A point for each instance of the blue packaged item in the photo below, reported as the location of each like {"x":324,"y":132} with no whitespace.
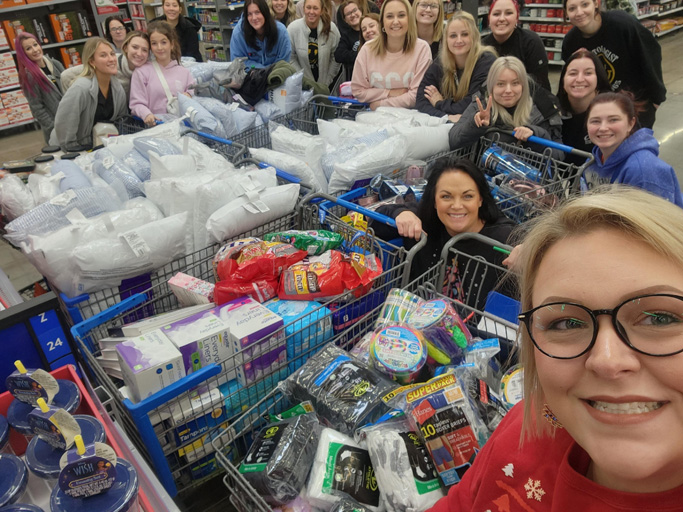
{"x":74,"y":177}
{"x":43,"y":460}
{"x":13,"y":479}
{"x":4,"y":432}
{"x":22,"y":507}
{"x":239,"y":398}
{"x":345,"y":315}
{"x":307,"y":325}
{"x":121,"y":497}
{"x":68,"y":398}
{"x":501,"y":162}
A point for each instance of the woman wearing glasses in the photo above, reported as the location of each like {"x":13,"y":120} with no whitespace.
{"x":602,"y":347}
{"x":115,"y":32}
{"x":347,"y":49}
{"x":429,"y":18}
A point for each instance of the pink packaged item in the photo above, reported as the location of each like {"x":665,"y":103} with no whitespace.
{"x":191,"y":291}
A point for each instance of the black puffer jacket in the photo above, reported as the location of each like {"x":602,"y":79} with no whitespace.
{"x":187,"y":30}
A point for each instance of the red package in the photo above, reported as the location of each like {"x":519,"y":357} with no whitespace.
{"x":260,"y":290}
{"x":228,"y":249}
{"x":360,"y":270}
{"x":256,"y":261}
{"x":317,"y":277}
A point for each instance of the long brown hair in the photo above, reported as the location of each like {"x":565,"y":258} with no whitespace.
{"x":372,"y":16}
{"x":379,"y":45}
{"x":165,"y":30}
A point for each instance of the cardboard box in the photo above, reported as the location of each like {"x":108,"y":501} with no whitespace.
{"x":70,"y":26}
{"x":4,"y":120}
{"x":4,"y":42}
{"x":6,"y":4}
{"x":7,"y":61}
{"x":13,"y":98}
{"x":155,"y":322}
{"x":149,"y":363}
{"x":9,"y":77}
{"x":19,"y":114}
{"x":71,"y":56}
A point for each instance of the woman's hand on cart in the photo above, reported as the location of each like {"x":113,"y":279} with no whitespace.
{"x":409,"y":225}
{"x":483,"y":117}
{"x":150,"y":120}
{"x":523,"y":133}
{"x":433,"y":95}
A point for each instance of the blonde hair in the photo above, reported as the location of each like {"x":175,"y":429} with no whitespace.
{"x":379,"y":44}
{"x":643,"y":217}
{"x":449,"y":88}
{"x":438,"y":23}
{"x":523,"y":109}
{"x":290,"y":13}
{"x":89,"y":50}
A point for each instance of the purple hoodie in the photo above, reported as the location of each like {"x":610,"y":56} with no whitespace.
{"x":147,"y":95}
{"x":636,"y":163}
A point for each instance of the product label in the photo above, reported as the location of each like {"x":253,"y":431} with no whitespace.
{"x":136,"y":243}
{"x":349,"y":470}
{"x":512,"y":386}
{"x":297,"y":410}
{"x":398,"y":349}
{"x":424,"y":473}
{"x":56,"y":427}
{"x":433,"y":386}
{"x":30,"y":386}
{"x":85,"y":475}
{"x":263,"y":449}
{"x":428,"y":313}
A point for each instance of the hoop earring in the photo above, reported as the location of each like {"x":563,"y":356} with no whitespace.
{"x":384,"y":30}
{"x":550,"y":417}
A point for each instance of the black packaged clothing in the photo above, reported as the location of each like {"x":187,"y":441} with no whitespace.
{"x":574,"y":134}
{"x":105,"y":107}
{"x":187,"y":30}
{"x":434,"y":75}
{"x":631,"y":55}
{"x":528,"y":47}
{"x":347,"y":49}
{"x":313,"y":52}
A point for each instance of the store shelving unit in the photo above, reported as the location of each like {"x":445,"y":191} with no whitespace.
{"x":547,"y":20}
{"x":664,"y":9}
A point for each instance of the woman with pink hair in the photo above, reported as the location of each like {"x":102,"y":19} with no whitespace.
{"x":40,"y":79}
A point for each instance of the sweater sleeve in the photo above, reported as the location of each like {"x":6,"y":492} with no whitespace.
{"x":465,"y":131}
{"x":294,"y":58}
{"x":283,"y":46}
{"x":239,"y":48}
{"x":332,"y":66}
{"x":432,"y":76}
{"x":139,"y":99}
{"x":360,"y":81}
{"x":192,"y":42}
{"x":422,"y":61}
{"x":68,"y":117}
{"x":69,"y":76}
{"x":37,"y":105}
{"x":536,"y":59}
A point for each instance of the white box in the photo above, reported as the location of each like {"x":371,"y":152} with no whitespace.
{"x":155,"y":322}
{"x":149,"y":363}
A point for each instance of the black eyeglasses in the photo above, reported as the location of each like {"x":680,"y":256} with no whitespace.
{"x":649,"y":324}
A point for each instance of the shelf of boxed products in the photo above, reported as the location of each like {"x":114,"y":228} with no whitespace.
{"x":23,"y":6}
{"x":669,"y":30}
{"x":65,"y":43}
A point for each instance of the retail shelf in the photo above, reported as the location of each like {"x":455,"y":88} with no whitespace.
{"x":540,"y":18}
{"x":210,"y":25}
{"x":65,"y":43}
{"x":9,"y":88}
{"x":550,"y":49}
{"x":23,"y":123}
{"x":648,"y":15}
{"x":138,"y":18}
{"x":25,"y":7}
{"x":232,"y":7}
{"x":550,"y":34}
{"x":671,"y":11}
{"x":483,"y":10}
{"x":665,"y":32}
{"x":556,"y":62}
{"x":545,"y":6}
{"x":4,"y":48}
{"x":135,"y":3}
{"x":155,"y":4}
{"x":202,"y":6}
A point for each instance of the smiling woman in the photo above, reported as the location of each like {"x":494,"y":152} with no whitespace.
{"x":601,"y":358}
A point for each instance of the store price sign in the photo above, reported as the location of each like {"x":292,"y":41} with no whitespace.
{"x":49,"y":333}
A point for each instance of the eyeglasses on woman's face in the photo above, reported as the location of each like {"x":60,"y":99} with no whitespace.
{"x":427,"y":6}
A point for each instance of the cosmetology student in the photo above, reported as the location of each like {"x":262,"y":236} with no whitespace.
{"x":349,"y":42}
{"x":389,"y":69}
{"x":96,"y":96}
{"x":582,"y":78}
{"x":601,"y":426}
{"x":147,"y":90}
{"x":429,"y":19}
{"x":314,"y":39}
{"x":459,"y":71}
{"x":40,"y":80}
{"x":509,"y":39}
{"x":283,"y":11}
{"x":625,"y":154}
{"x":135,"y":53}
{"x":456,"y":200}
{"x":509,"y":106}
{"x":187,"y":29}
{"x":115,"y":32}
{"x":630,"y":53}
{"x":259,"y":38}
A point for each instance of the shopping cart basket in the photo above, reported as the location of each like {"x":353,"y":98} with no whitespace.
{"x":234,"y":441}
{"x":154,"y":423}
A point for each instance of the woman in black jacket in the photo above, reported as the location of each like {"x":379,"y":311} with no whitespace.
{"x":186,"y":28}
{"x":459,"y":71}
{"x":348,"y":46}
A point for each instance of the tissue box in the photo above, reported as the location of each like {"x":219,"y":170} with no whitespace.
{"x":191,"y":418}
{"x":149,"y":363}
{"x":190,"y":290}
{"x":257,"y":338}
{"x":307,"y":325}
{"x":203,"y":338}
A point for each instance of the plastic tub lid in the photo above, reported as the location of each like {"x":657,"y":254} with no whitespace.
{"x":4,"y":431}
{"x":13,"y":478}
{"x":22,"y":507}
{"x":68,"y":398}
{"x":70,"y":156}
{"x":43,"y":460}
{"x":121,"y":497}
{"x":43,"y":158}
{"x":51,"y":149}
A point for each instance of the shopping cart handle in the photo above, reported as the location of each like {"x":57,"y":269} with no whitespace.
{"x":352,"y":206}
{"x":81,"y":329}
{"x":549,"y":143}
{"x":337,"y":99}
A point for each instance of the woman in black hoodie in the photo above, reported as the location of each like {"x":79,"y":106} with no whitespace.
{"x":186,"y":28}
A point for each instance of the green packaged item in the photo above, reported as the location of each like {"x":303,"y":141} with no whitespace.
{"x":315,"y":242}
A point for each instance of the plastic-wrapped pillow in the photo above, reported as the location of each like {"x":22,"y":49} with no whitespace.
{"x":287,"y":97}
{"x":267,"y":110}
{"x":307,"y":147}
{"x":159,"y":145}
{"x":423,"y":141}
{"x":350,"y":148}
{"x":245,"y":120}
{"x":140,"y":165}
{"x":386,"y":116}
{"x":224,"y":113}
{"x":104,"y":263}
{"x":43,"y":188}
{"x":120,"y":177}
{"x":200,"y":118}
{"x":206,"y":158}
{"x":201,"y":71}
{"x":145,"y":207}
{"x":15,"y":197}
{"x":252,"y":210}
{"x":291,"y":165}
{"x":73,"y":175}
{"x":171,"y":166}
{"x":385,"y":158}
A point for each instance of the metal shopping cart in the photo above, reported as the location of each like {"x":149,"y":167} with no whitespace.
{"x":234,"y":441}
{"x":156,"y":424}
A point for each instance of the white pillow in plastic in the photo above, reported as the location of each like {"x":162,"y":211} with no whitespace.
{"x":287,"y":97}
{"x":205,"y":157}
{"x":43,"y":187}
{"x":391,"y":114}
{"x":171,"y":166}
{"x":73,"y":175}
{"x":292,"y":165}
{"x":424,"y":141}
{"x":386,"y":158}
{"x":159,"y":145}
{"x":15,"y":197}
{"x":120,"y":177}
{"x":140,"y":165}
{"x":104,"y":263}
{"x":145,"y":207}
{"x":307,"y":147}
{"x":201,"y":71}
{"x":250,"y":211}
{"x":210,"y":197}
{"x":222,"y":112}
{"x":243,"y":119}
{"x":306,"y":97}
{"x":267,"y":110}
{"x":349,"y":148}
{"x":118,"y":146}
{"x":200,"y":118}
{"x":352,"y":129}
